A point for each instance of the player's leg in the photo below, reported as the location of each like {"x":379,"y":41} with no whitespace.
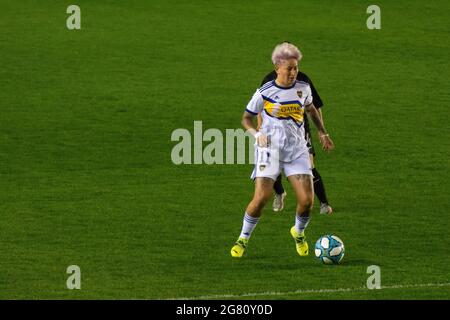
{"x":280,"y":194}
{"x":263,"y":192}
{"x":300,"y":176}
{"x":319,"y":189}
{"x":303,"y":188}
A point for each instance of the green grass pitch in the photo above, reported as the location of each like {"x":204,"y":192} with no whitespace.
{"x":86,"y":176}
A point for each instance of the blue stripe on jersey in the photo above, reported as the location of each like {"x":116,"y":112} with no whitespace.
{"x":283,"y":102}
{"x":262,"y":90}
{"x":268,"y":99}
{"x":254,"y":113}
{"x":291,"y":102}
{"x":288,"y":118}
{"x":266,"y":86}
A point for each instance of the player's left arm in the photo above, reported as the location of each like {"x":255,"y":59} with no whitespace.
{"x":324,"y":137}
{"x":319,"y":110}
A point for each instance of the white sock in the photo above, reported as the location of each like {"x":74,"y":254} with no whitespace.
{"x":248,"y":225}
{"x":301,"y":222}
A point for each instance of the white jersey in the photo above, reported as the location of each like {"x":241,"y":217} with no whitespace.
{"x":282,"y":111}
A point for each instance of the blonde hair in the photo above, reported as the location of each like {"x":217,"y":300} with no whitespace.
{"x":285,"y":51}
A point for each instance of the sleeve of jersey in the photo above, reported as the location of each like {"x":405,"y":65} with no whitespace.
{"x":309,"y":97}
{"x":256,"y":104}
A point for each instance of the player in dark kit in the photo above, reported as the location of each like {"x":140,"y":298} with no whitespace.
{"x":319,"y":188}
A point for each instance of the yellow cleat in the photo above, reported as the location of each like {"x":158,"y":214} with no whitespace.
{"x":239,"y":248}
{"x":300,"y":242}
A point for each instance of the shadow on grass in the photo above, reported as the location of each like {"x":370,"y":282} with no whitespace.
{"x":290,"y":263}
{"x":358,"y":262}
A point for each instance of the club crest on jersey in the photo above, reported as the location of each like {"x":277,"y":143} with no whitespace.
{"x":262,"y":167}
{"x":299,"y":93}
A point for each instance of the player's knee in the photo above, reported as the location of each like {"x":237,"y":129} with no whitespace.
{"x":261,"y":199}
{"x":305,"y":206}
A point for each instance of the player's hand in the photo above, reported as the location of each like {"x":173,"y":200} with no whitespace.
{"x":326,"y":142}
{"x":261,"y":139}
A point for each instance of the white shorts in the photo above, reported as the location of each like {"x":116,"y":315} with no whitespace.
{"x":268,"y":166}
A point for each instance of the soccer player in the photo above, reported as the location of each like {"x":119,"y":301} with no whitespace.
{"x":319,"y":188}
{"x":281,"y":145}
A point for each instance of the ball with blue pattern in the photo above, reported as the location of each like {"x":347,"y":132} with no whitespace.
{"x":329,"y":249}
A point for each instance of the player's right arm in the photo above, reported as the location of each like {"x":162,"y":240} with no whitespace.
{"x":247,"y":123}
{"x":259,"y":117}
{"x":254,"y":107}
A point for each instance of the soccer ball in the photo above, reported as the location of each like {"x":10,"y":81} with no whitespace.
{"x":329,"y":249}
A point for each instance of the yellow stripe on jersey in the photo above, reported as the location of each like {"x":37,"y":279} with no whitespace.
{"x":284,"y":111}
